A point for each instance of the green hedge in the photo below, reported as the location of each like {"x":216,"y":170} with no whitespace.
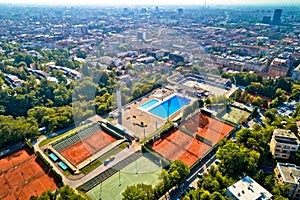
{"x":109,"y":125}
{"x":111,"y":132}
{"x":28,"y":143}
{"x":202,"y":139}
{"x":58,"y":176}
{"x":39,"y":155}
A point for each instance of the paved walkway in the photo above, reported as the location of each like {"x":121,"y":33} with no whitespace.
{"x":76,"y":183}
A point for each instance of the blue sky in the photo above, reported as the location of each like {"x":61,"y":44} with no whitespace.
{"x":152,"y":2}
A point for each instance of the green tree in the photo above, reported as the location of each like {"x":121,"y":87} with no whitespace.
{"x":236,"y":159}
{"x":207,"y":101}
{"x":292,"y":127}
{"x":216,"y":196}
{"x":182,"y":169}
{"x":138,"y":192}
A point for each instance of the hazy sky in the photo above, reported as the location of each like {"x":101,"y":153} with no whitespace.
{"x":152,"y":2}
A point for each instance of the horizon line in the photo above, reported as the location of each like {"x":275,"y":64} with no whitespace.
{"x":145,"y":4}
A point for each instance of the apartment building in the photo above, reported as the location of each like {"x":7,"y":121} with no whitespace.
{"x":247,"y":189}
{"x":279,"y":67}
{"x":286,"y":173}
{"x":283,"y":142}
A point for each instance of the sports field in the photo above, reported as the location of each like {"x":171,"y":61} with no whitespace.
{"x":143,"y":170}
{"x":82,"y":150}
{"x":24,"y":175}
{"x":209,"y":128}
{"x":183,"y":145}
{"x":235,"y":115}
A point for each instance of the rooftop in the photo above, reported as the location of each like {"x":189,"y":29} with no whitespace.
{"x":289,"y":172}
{"x":297,"y":68}
{"x":282,"y":134}
{"x":247,"y":188}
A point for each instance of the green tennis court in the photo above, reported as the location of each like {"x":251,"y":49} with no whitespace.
{"x":235,"y":115}
{"x":143,"y":170}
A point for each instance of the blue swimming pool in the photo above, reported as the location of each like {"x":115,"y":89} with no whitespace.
{"x":169,"y":106}
{"x":148,"y":104}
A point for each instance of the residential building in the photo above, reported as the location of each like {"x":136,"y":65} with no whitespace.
{"x":279,"y":67}
{"x":296,"y":73}
{"x":256,"y":64}
{"x":247,"y":189}
{"x":237,"y":66}
{"x":13,"y":81}
{"x":283,"y":142}
{"x":286,"y":173}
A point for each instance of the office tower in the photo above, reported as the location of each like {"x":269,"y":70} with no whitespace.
{"x":277,"y":16}
{"x":180,"y":11}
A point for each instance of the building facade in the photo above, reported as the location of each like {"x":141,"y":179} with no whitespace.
{"x":283,"y":142}
{"x":286,"y":173}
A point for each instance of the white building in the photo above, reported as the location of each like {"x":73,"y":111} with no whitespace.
{"x":283,"y":142}
{"x":296,"y":73}
{"x":289,"y":174}
{"x":247,"y":189}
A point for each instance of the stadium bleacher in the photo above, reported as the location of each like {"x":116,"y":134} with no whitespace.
{"x":69,"y":141}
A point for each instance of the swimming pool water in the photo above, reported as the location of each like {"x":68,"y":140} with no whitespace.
{"x":148,"y":104}
{"x":174,"y":103}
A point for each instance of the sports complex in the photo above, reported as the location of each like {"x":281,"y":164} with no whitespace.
{"x":83,"y":147}
{"x":155,"y":129}
{"x":188,"y":141}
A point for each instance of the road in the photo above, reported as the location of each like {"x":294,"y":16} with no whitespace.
{"x":199,"y":168}
{"x":76,"y":183}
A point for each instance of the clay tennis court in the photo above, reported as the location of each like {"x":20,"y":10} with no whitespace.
{"x":82,"y":150}
{"x":209,"y":128}
{"x":24,"y":175}
{"x":182,"y":146}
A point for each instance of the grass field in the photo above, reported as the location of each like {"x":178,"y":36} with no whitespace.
{"x":235,"y":115}
{"x":142,"y":170}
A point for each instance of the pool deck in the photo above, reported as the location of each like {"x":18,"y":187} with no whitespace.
{"x":132,"y":115}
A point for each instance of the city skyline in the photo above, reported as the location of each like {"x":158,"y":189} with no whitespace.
{"x":154,"y":2}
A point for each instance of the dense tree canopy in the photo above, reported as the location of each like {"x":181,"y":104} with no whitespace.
{"x":16,"y":129}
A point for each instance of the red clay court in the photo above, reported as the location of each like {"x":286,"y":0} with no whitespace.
{"x":24,"y":175}
{"x":82,"y":150}
{"x":182,"y":146}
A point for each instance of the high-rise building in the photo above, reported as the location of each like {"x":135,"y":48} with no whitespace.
{"x":277,"y":16}
{"x":266,"y":20}
{"x":180,"y":11}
